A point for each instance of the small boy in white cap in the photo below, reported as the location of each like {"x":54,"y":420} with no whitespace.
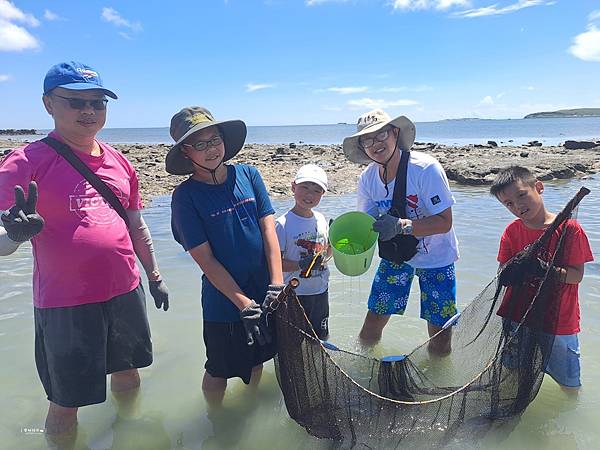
{"x":303,"y":238}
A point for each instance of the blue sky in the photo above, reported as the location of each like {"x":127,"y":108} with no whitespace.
{"x":276,"y":62}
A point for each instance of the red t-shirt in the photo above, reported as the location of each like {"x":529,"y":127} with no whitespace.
{"x":517,"y":236}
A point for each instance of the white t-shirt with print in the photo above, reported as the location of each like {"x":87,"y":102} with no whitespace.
{"x":300,"y":237}
{"x":427,"y":194}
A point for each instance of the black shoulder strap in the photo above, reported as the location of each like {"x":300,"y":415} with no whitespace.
{"x":65,"y":151}
{"x":399,"y":196}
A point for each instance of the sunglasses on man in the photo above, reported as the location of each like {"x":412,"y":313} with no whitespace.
{"x":98,"y":104}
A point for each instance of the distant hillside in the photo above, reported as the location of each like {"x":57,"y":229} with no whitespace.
{"x":580,"y":112}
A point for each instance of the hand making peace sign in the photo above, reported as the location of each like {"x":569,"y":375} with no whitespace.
{"x":22,"y":221}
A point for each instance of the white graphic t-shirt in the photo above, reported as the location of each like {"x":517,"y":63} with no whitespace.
{"x":300,"y":237}
{"x":427,"y":194}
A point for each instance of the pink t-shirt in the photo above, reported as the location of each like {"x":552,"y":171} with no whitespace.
{"x":84,"y":253}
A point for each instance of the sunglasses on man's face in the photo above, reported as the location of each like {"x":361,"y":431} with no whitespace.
{"x":98,"y":104}
{"x":379,"y":137}
{"x":201,"y":146}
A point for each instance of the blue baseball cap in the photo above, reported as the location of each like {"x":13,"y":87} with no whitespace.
{"x":74,"y":75}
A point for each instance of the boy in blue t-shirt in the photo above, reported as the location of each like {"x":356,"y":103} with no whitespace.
{"x":223,"y":217}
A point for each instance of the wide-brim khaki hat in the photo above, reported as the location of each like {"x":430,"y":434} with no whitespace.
{"x":192,"y":119}
{"x":374,"y":121}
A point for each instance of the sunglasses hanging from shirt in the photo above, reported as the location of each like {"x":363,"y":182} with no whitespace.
{"x":65,"y":151}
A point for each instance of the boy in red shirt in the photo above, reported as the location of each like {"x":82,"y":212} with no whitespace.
{"x":517,"y":189}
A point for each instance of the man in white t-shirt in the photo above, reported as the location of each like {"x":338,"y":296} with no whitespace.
{"x":380,"y":142}
{"x":302,"y":234}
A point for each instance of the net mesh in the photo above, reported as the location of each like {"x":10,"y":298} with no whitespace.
{"x":494,"y":371}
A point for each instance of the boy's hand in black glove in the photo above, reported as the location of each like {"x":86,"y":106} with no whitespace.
{"x":520,"y":269}
{"x":387,"y":226}
{"x":273,"y":292}
{"x":256,"y":328}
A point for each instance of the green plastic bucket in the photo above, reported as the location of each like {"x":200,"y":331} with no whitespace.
{"x":353,"y":241}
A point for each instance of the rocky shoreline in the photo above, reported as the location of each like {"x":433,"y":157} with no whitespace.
{"x":473,"y":165}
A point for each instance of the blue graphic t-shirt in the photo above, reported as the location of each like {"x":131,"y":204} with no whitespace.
{"x":227,"y":217}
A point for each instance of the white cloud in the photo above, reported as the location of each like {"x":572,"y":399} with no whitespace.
{"x":125,"y":35}
{"x":494,"y":9}
{"x":51,"y":16}
{"x":429,"y":4}
{"x":486,"y":101}
{"x":10,"y":13}
{"x":586,"y":45}
{"x":252,"y":87}
{"x":4,"y":77}
{"x":500,"y":95}
{"x":529,"y":88}
{"x":372,"y":103}
{"x":112,"y":16}
{"x":348,"y":90}
{"x":13,"y":37}
{"x":594,"y":15}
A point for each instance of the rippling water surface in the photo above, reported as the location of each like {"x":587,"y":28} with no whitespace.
{"x":170,"y":411}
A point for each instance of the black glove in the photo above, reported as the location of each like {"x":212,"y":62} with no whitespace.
{"x":256,"y":328}
{"x":22,"y":221}
{"x":273,"y":292}
{"x":387,"y":226}
{"x":305,"y":264}
{"x":520,"y":269}
{"x":160,"y":294}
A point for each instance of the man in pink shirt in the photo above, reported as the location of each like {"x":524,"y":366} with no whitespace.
{"x":89,"y":304}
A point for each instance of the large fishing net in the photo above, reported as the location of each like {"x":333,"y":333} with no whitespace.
{"x":494,"y":371}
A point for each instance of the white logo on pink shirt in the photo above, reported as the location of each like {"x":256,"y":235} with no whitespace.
{"x":89,"y":205}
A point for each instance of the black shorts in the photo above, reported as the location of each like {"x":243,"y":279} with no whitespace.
{"x":316,"y":308}
{"x":75,"y":347}
{"x":228,"y":354}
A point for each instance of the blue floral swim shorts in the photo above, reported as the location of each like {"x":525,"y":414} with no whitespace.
{"x":391,"y":288}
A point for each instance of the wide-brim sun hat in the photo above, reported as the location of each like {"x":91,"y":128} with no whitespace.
{"x":373,"y":121}
{"x":192,"y":119}
{"x":74,"y":76}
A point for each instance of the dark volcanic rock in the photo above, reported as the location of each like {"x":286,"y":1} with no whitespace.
{"x":580,"y":145}
{"x":534,"y":144}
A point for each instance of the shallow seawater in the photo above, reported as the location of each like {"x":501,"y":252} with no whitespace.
{"x":170,"y":411}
